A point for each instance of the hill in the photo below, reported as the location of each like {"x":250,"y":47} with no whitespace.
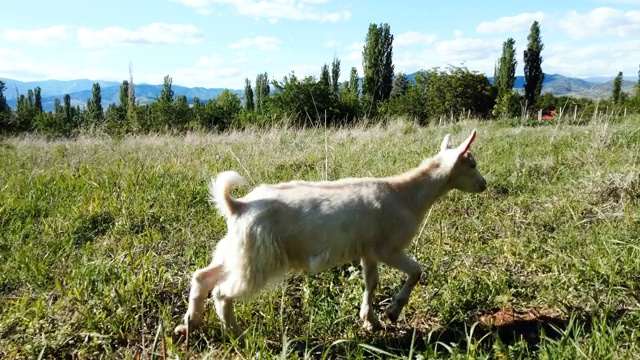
{"x":80,"y":90}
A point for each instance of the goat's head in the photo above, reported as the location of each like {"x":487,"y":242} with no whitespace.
{"x":464,"y":174}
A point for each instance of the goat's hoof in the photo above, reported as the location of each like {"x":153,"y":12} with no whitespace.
{"x":393,"y":313}
{"x":181,"y":330}
{"x":372,"y":326}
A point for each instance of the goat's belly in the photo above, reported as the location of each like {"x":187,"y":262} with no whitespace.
{"x":326,"y":260}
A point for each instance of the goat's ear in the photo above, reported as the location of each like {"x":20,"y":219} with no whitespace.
{"x":464,"y":147}
{"x":446,"y":143}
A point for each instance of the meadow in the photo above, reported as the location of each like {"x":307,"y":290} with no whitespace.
{"x":99,"y":238}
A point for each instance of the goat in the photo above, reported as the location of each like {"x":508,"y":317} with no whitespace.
{"x":313,"y":226}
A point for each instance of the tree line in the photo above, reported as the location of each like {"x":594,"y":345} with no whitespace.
{"x":381,"y":93}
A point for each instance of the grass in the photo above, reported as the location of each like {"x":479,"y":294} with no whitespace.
{"x":99,"y":237}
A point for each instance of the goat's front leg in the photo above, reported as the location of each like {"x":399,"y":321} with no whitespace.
{"x":370,"y":277}
{"x":202,"y":282}
{"x":400,"y":261}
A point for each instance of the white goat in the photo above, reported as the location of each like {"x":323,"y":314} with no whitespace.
{"x":313,"y":226}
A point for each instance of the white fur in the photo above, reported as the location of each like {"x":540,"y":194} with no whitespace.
{"x":313,"y":226}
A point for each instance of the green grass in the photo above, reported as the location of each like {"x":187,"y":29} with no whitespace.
{"x":99,"y":238}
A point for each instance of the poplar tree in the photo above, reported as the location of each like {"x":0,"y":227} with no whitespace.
{"x":377,"y":63}
{"x":505,"y":78}
{"x":248,"y":95}
{"x":617,"y":88}
{"x":335,"y":74}
{"x":533,"y":75}
{"x":354,"y":86}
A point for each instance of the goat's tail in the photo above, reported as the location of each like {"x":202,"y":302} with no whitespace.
{"x":219,"y":192}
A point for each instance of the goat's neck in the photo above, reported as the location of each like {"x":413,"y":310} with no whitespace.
{"x":420,"y":187}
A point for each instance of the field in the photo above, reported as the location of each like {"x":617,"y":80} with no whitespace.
{"x":99,"y":238}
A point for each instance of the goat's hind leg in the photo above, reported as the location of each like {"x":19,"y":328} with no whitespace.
{"x":370,"y":276}
{"x":225,"y":311}
{"x":202,"y":282}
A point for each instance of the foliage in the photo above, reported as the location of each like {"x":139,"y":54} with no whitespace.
{"x":377,"y":64}
{"x":451,"y":93}
{"x":249,"y":103}
{"x":305,"y":102}
{"x":617,"y":85}
{"x":400,"y":85}
{"x":504,"y":80}
{"x":533,"y":74}
{"x":262,"y":92}
{"x":5,"y":110}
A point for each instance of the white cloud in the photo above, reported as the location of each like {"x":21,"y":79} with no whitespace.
{"x":330,"y":44}
{"x":510,"y":24}
{"x":42,"y":37}
{"x":413,"y":38}
{"x":592,"y":60}
{"x":355,"y":51}
{"x":624,"y":2}
{"x":152,"y":34}
{"x":273,"y":10}
{"x":261,"y":42}
{"x":467,"y":48}
{"x":457,"y":33}
{"x":602,"y":21}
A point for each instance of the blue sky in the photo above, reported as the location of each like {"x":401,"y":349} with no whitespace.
{"x":218,"y":43}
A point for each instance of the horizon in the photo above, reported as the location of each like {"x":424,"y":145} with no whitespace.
{"x":219,"y":43}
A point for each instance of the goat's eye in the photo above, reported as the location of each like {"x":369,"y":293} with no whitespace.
{"x":473,"y":166}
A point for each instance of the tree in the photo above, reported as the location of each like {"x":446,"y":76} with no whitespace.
{"x":248,"y":95}
{"x":638,"y":86}
{"x":69,"y":113}
{"x":617,"y":88}
{"x":354,"y":86}
{"x":166,"y":94}
{"x":38,"y":99}
{"x":94,"y":105}
{"x":400,"y":85}
{"x":449,"y":94}
{"x":505,"y":78}
{"x":262,"y":91}
{"x":124,"y":96}
{"x":5,"y":110}
{"x":335,"y":74}
{"x":533,"y":75}
{"x":377,"y":63}
{"x":325,"y":77}
{"x":228,"y":107}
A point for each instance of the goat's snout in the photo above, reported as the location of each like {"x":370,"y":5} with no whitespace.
{"x":482,"y":184}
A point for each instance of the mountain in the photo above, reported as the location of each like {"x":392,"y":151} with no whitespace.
{"x":560,"y":85}
{"x":51,"y":87}
{"x":80,"y":92}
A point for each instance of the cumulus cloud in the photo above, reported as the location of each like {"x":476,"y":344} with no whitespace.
{"x":272,"y":10}
{"x":261,"y":42}
{"x":355,"y":51}
{"x":152,"y":34}
{"x":624,"y":2}
{"x":510,"y":24}
{"x":468,"y":48}
{"x":604,"y":21}
{"x":592,"y":60}
{"x":42,"y":37}
{"x":413,"y":38}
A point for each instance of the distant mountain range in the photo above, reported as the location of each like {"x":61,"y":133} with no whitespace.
{"x":80,"y":90}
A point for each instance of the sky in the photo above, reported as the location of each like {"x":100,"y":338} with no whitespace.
{"x":219,"y":43}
